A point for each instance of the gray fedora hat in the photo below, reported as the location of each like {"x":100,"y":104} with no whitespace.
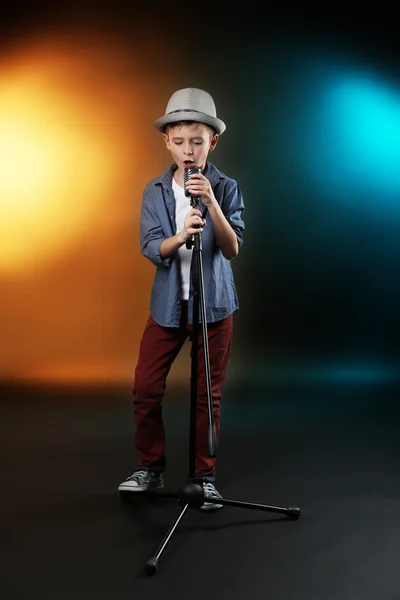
{"x":191,"y":104}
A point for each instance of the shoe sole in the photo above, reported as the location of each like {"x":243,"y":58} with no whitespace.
{"x":139,"y":488}
{"x":211,"y":506}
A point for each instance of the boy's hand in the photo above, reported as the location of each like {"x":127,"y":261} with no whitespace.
{"x":198,"y":185}
{"x":193,"y":224}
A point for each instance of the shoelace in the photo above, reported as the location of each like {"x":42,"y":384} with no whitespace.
{"x":139,"y":476}
{"x":209,"y":489}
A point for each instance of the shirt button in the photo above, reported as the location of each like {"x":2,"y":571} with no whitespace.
{"x":171,"y":216}
{"x":179,"y":301}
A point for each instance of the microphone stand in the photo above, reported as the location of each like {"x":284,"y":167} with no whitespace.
{"x":199,"y":308}
{"x":191,"y":495}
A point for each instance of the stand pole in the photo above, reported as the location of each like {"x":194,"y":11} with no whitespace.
{"x":199,"y":309}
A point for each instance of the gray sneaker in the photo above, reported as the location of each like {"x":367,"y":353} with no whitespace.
{"x":210,"y":492}
{"x":141,"y":480}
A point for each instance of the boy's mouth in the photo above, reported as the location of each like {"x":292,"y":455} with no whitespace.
{"x":188,"y":163}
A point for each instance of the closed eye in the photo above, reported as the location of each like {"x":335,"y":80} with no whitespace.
{"x":196,"y":143}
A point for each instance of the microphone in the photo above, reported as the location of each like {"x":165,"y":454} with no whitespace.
{"x":187,"y":172}
{"x":194,"y":200}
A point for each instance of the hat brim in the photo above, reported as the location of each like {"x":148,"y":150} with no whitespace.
{"x":188,"y":115}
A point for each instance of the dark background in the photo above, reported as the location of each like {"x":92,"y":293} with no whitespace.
{"x":317,"y":274}
{"x":310,"y":412}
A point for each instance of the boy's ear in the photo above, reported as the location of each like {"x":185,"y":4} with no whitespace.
{"x":214,"y":142}
{"x":166,"y":140}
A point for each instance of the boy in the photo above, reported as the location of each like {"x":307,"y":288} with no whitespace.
{"x":191,"y":130}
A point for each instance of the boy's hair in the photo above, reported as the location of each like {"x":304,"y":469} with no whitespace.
{"x":181,"y":123}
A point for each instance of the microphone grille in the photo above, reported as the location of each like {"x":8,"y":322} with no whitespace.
{"x":187,"y":172}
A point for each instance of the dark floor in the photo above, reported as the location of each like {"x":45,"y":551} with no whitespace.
{"x":332,"y":451}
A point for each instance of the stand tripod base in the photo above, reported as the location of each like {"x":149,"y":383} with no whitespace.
{"x":191,"y":495}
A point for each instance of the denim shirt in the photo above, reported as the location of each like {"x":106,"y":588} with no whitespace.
{"x":157,"y":223}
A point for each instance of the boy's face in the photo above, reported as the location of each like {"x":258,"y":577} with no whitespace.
{"x":191,"y":142}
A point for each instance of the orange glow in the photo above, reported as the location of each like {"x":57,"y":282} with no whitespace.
{"x":77,"y":146}
{"x":101,"y":372}
{"x":56,"y":167}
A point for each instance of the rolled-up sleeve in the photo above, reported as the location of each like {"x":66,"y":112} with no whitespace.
{"x":151,"y":232}
{"x":233,"y":206}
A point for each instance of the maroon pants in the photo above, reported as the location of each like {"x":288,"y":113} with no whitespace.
{"x":158,"y":349}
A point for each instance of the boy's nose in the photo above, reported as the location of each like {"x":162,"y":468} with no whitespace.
{"x":187,"y":148}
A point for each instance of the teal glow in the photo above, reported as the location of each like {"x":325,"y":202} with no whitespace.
{"x":366,"y":136}
{"x":328,"y":373}
{"x":350,"y":135}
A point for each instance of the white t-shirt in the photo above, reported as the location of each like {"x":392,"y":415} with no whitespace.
{"x":182,"y":207}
